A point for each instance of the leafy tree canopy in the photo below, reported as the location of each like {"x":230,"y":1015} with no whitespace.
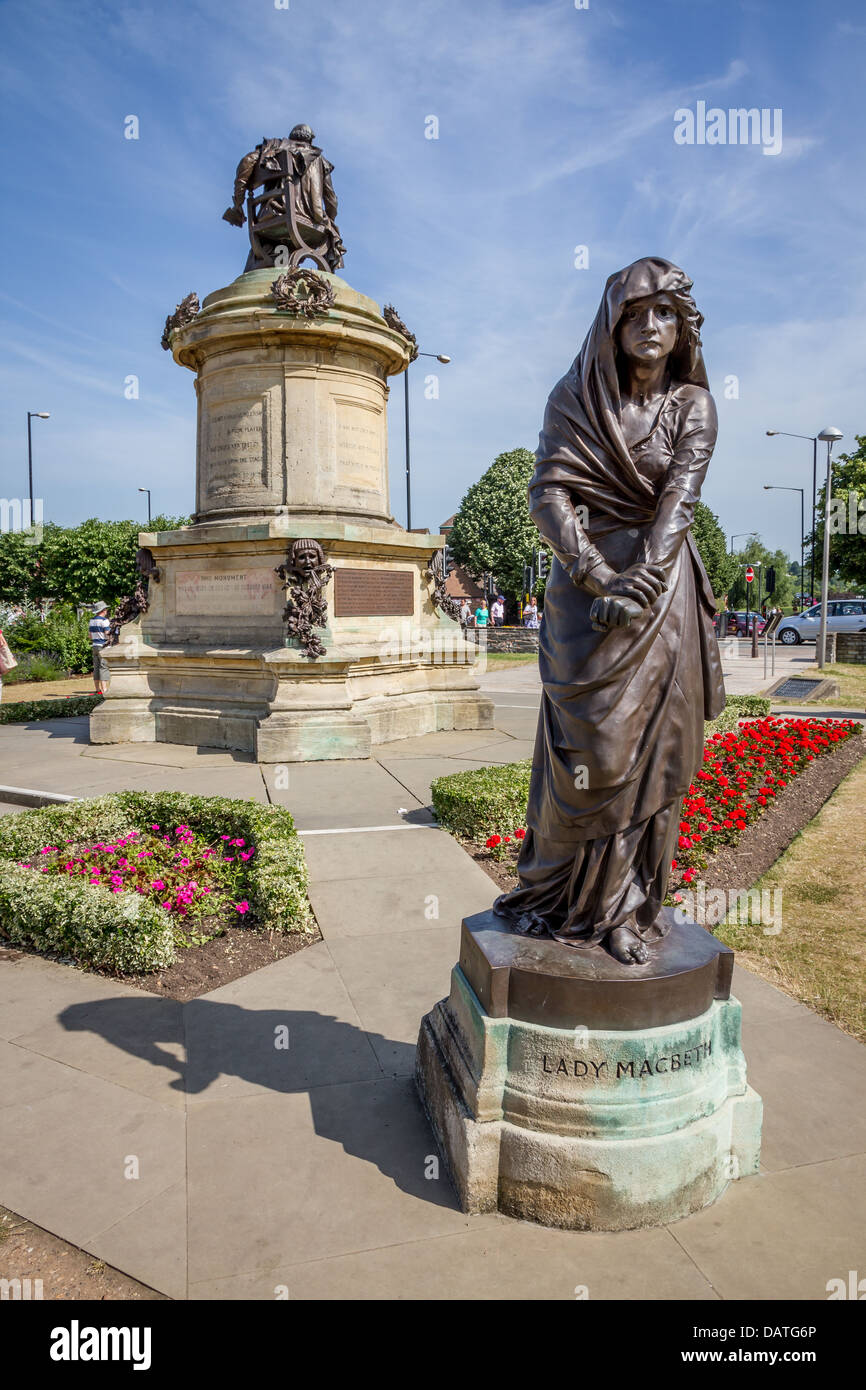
{"x":713,"y":548}
{"x":75,"y":564}
{"x":493,"y":531}
{"x":847,"y":521}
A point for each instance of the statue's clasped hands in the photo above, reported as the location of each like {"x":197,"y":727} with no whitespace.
{"x":626,"y":595}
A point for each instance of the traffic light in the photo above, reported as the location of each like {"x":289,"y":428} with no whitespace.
{"x":528,"y":579}
{"x":447,"y":560}
{"x":771,"y":580}
{"x":543,"y":564}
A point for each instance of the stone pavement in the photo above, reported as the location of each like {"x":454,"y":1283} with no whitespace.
{"x":308,"y":1168}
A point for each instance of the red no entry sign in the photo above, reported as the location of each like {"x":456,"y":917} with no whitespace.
{"x":750,"y":574}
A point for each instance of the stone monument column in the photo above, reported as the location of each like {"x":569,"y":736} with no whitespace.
{"x":294,"y":619}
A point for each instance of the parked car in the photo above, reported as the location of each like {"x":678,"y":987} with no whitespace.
{"x":741,"y":624}
{"x":843,"y":615}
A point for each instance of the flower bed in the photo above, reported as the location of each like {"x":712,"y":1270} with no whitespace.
{"x":120,"y":882}
{"x":743,"y":769}
{"x":742,"y":773}
{"x":488,"y":804}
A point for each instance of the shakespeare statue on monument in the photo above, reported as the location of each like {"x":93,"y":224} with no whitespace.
{"x":291,"y":206}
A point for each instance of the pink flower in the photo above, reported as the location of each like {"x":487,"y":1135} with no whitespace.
{"x":157,"y":884}
{"x":242,"y":907}
{"x":238,"y":842}
{"x":166,"y":904}
{"x":154,"y":827}
{"x":247,"y":854}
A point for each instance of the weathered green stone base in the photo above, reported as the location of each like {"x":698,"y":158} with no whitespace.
{"x":587,"y":1130}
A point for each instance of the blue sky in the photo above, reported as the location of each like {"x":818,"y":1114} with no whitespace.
{"x":555,"y":130}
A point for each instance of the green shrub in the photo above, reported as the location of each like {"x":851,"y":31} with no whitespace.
{"x":30,"y":711}
{"x":482,"y":800}
{"x":63,"y":636}
{"x":123,"y":931}
{"x":36,"y":666}
{"x":749,"y":706}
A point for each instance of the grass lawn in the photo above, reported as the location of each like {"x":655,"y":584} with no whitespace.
{"x":495,"y":659}
{"x":820,"y":953}
{"x":852,"y":683}
{"x":18,"y":692}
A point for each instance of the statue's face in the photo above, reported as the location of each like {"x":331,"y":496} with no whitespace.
{"x":649,"y":328}
{"x":305,"y":560}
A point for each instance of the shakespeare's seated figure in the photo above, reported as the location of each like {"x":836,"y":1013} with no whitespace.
{"x":627,"y":654}
{"x":295,"y":206}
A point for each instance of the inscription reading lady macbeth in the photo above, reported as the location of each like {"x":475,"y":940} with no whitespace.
{"x":650,"y":1066}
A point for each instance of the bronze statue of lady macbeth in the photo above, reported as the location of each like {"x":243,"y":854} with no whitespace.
{"x":628,"y":658}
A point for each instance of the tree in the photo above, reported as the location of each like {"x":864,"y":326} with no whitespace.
{"x":493,"y":532}
{"x":74,"y":564}
{"x":712,"y":545}
{"x":753,"y":553}
{"x":847,"y":520}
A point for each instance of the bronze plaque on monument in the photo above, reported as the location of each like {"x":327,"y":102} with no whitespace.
{"x":374,"y":593}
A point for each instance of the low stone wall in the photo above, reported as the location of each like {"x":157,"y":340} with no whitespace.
{"x":851,"y":646}
{"x":508,"y":639}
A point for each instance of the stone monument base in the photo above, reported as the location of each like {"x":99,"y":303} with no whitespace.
{"x":209,"y":663}
{"x":568,"y":1089}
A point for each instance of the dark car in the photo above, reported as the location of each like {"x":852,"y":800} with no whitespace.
{"x":740,"y":624}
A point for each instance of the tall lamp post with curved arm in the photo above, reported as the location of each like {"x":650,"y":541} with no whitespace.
{"x":814,"y":438}
{"x":830,"y":435}
{"x":33,"y":415}
{"x":780,"y":487}
{"x":440,"y":357}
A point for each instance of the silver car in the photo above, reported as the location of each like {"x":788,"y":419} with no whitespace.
{"x":843,"y":615}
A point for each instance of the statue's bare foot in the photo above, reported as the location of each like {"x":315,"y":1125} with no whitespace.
{"x":530,"y":924}
{"x":624,"y":945}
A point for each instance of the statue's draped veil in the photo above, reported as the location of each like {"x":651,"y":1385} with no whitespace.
{"x":582,"y":442}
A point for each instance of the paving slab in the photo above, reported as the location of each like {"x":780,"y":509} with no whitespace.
{"x":378,"y":853}
{"x":285,"y":1028}
{"x":150,"y":1242}
{"x":813,"y":1079}
{"x":340,"y":793}
{"x":416,"y":774}
{"x":401,"y":903}
{"x":129,"y":1037}
{"x":494,"y":1259}
{"x":301,"y":1177}
{"x":33,"y":991}
{"x":394,"y":979}
{"x":65,"y":1155}
{"x":782,"y":1235}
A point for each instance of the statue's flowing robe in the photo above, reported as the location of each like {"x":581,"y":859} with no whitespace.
{"x":620,"y":731}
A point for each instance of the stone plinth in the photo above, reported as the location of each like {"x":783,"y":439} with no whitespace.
{"x":292,"y":444}
{"x":558,"y":1111}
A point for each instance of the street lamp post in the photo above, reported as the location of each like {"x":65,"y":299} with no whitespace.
{"x":830,"y":435}
{"x":440,"y":357}
{"x":779,"y":487}
{"x":738,"y":537}
{"x":814,"y":438}
{"x":33,"y":415}
{"x":147,"y":490}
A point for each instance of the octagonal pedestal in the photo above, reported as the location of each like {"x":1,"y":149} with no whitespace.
{"x":576,"y":1123}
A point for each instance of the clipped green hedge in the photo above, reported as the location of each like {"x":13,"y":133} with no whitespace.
{"x":122,"y":932}
{"x":485,"y":800}
{"x":749,"y":706}
{"x":30,"y":711}
{"x":477,"y":802}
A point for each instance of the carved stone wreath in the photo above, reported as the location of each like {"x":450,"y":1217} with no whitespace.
{"x":303,"y":292}
{"x":184,"y":312}
{"x":393,"y":320}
